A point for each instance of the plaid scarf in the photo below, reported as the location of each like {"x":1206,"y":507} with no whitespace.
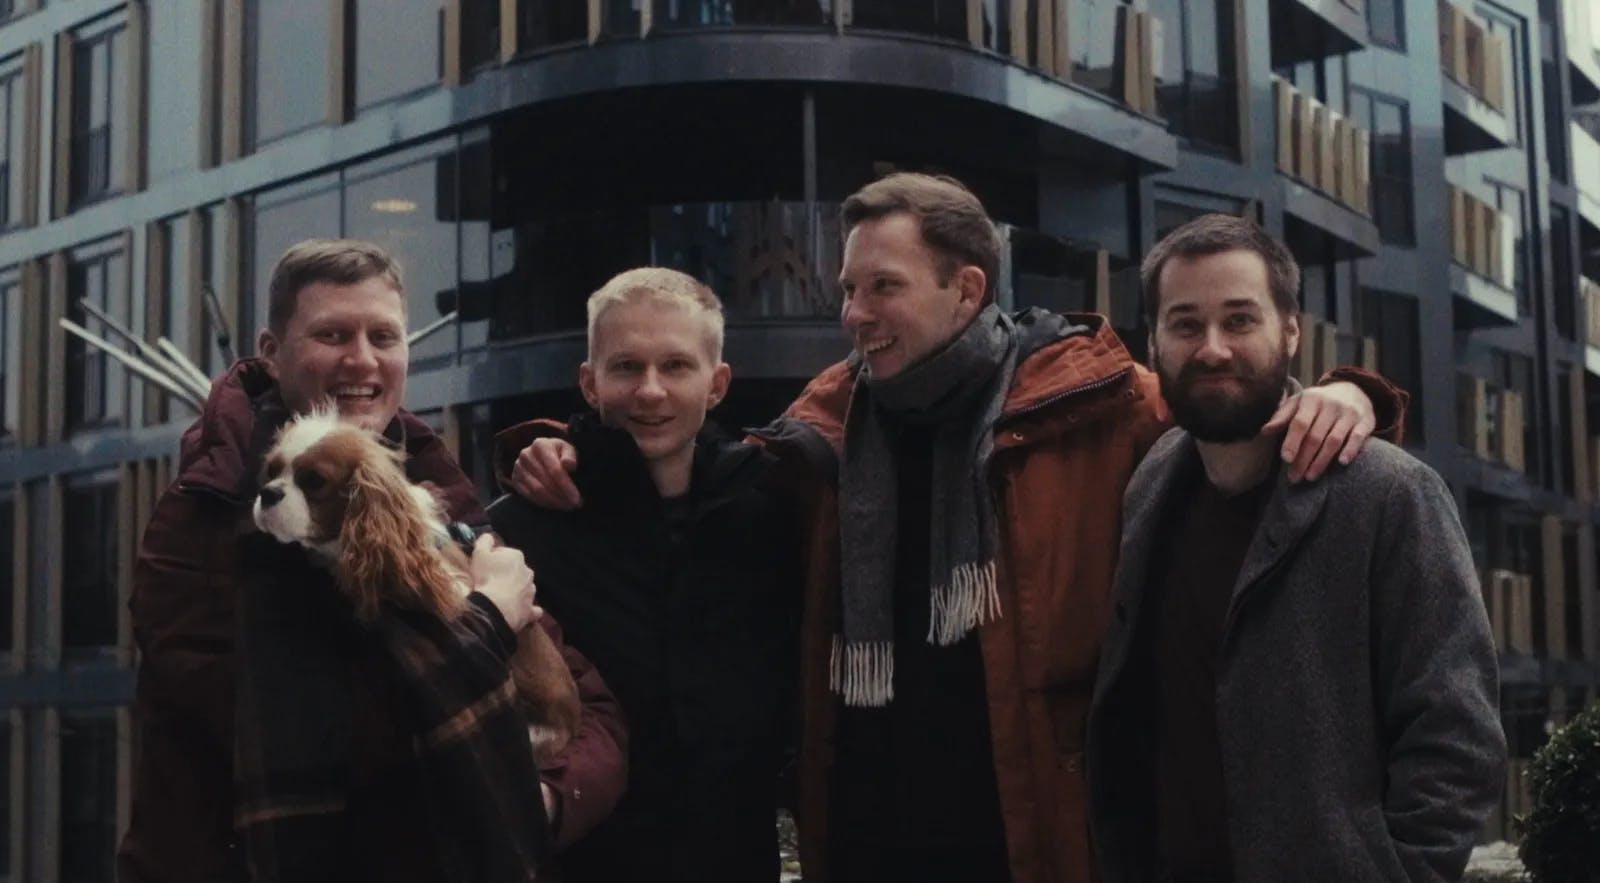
{"x":959,"y":389}
{"x":293,"y":728}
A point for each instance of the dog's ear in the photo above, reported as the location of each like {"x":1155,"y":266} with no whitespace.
{"x":385,"y":549}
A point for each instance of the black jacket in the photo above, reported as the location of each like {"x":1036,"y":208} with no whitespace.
{"x":689,"y":608}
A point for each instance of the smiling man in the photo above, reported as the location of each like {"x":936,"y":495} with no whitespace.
{"x":1299,"y":683}
{"x":679,"y":579}
{"x":276,"y":736}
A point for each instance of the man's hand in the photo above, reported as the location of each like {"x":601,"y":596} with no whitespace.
{"x":543,"y":474}
{"x":1322,"y":421}
{"x":501,"y":574}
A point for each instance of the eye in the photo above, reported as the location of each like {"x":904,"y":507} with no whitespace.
{"x":675,"y":366}
{"x":274,"y":467}
{"x":309,"y":480}
{"x":1240,"y":321}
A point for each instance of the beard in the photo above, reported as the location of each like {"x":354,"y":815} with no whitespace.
{"x":1222,"y":414}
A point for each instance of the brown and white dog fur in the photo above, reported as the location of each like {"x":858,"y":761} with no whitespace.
{"x":335,"y":489}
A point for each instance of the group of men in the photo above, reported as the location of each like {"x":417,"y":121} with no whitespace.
{"x":971,"y":605}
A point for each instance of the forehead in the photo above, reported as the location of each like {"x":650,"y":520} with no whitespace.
{"x":1214,"y":279}
{"x":892,"y":238}
{"x":370,"y":301}
{"x":651,"y":327}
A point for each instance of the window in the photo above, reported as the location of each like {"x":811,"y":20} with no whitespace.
{"x":99,"y":116}
{"x":89,"y":564}
{"x":176,"y":71}
{"x":399,"y":48}
{"x":283,"y":217}
{"x":1093,"y":43}
{"x":1514,"y":372}
{"x":1392,"y":320}
{"x":8,"y":527}
{"x":1568,"y":308}
{"x":97,"y":386}
{"x":10,"y":359}
{"x":1509,"y":30}
{"x":1197,"y":93}
{"x":88,"y":797}
{"x":1555,"y":121}
{"x":1513,"y":212}
{"x":1386,"y":23}
{"x":1386,"y":119}
{"x":287,"y":67}
{"x":678,"y":14}
{"x":13,"y":143}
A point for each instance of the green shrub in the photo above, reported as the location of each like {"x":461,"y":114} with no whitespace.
{"x":1561,"y":834}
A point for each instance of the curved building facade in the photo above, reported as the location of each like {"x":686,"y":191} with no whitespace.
{"x":1433,"y":164}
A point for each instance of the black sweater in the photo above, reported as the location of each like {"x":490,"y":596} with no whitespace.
{"x":689,"y":608}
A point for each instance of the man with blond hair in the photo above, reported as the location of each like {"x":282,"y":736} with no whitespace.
{"x":677,"y":580}
{"x":275,"y":737}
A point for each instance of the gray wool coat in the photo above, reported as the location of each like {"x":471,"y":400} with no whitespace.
{"x":1356,"y":690}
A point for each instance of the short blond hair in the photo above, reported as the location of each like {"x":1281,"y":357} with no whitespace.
{"x":660,"y":285}
{"x":334,"y":261}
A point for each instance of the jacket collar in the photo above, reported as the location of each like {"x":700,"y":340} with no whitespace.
{"x":613,"y":475}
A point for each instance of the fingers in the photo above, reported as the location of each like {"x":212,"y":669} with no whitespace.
{"x":1312,"y":442}
{"x":543,"y":474}
{"x":1298,"y":413}
{"x":1280,"y":417}
{"x":1330,"y":446}
{"x":1356,"y":441}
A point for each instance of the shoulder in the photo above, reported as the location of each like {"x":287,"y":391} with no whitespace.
{"x":1384,"y":477}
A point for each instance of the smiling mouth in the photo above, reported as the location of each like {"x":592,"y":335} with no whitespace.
{"x":355,"y":393}
{"x":651,"y":421}
{"x":876,"y":346}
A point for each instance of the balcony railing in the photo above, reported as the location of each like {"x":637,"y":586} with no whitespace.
{"x":1582,"y":34}
{"x":1482,"y":239}
{"x":1322,"y":149}
{"x":1586,"y":163}
{"x":1589,"y":296}
{"x":1471,"y":55}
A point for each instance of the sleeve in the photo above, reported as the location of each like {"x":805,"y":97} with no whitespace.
{"x":591,"y":774}
{"x":509,"y":442}
{"x":1437,"y":680}
{"x":182,"y":604}
{"x":1389,"y":402}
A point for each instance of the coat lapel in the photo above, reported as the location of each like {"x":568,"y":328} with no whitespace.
{"x":1290,"y":513}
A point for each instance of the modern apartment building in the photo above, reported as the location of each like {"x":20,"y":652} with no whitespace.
{"x":1433,"y":163}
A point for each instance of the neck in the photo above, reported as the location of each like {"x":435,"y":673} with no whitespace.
{"x":671,"y":474}
{"x":1235,"y":467}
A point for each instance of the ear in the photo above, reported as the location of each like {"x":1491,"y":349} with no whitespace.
{"x":586,"y":385}
{"x":384,"y":547}
{"x":1291,"y":334}
{"x":267,"y":347}
{"x":971,"y":283}
{"x":721,"y":376}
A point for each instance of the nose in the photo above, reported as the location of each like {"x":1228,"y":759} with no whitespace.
{"x":360,"y":352}
{"x":270,"y":496}
{"x":650,"y":387}
{"x":1214,"y":350}
{"x":853,"y":314}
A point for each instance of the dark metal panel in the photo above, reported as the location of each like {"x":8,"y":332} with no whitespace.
{"x":85,"y":686}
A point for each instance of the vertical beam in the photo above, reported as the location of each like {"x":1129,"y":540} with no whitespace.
{"x":1241,"y":74}
{"x":225,"y":267}
{"x":341,"y":74}
{"x":1554,"y":613}
{"x":594,"y":19}
{"x":22,"y":517}
{"x":46,"y":837}
{"x":207,"y":137}
{"x":451,"y":436}
{"x":55,"y":410}
{"x":1283,"y":115}
{"x":647,"y":17}
{"x":135,"y":76}
{"x":808,"y":145}
{"x":1578,"y":428}
{"x":1063,"y":23}
{"x":194,"y":275}
{"x":843,"y":14}
{"x":156,"y":306}
{"x":231,"y":62}
{"x":975,"y":24}
{"x":61,"y":180}
{"x":509,"y":46}
{"x":32,"y":78}
{"x":47,"y":649}
{"x":127,"y":539}
{"x":35,"y":366}
{"x":1588,"y":611}
{"x":1102,"y":283}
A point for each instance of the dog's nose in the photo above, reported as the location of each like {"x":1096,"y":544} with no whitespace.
{"x":270,"y":496}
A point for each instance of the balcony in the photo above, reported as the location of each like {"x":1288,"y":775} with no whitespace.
{"x":1324,"y":165}
{"x":1306,"y":30}
{"x":1583,"y":50}
{"x":1483,"y":260}
{"x":1589,"y":297}
{"x":1490,"y":423}
{"x":1474,"y":83}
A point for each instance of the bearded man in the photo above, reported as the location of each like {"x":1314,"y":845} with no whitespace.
{"x":1299,"y":682}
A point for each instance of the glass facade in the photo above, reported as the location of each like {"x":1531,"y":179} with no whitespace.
{"x":1392,"y":320}
{"x":99,"y":115}
{"x":1196,"y":91}
{"x":11,"y":320}
{"x":97,"y":385}
{"x":173,"y":135}
{"x":1093,"y":41}
{"x":287,"y":72}
{"x":89,"y":562}
{"x":1391,"y":199}
{"x":13,"y":142}
{"x":1386,"y":23}
{"x":399,"y":48}
{"x":88,"y":797}
{"x":727,"y":13}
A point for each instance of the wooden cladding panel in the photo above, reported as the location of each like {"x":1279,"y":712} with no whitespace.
{"x":1472,"y":415}
{"x":1511,"y":430}
{"x":61,"y":179}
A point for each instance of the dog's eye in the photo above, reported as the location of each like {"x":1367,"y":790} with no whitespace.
{"x":309,"y":480}
{"x":273,"y":468}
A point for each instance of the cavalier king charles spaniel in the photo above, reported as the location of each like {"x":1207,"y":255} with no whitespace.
{"x":337,"y":490}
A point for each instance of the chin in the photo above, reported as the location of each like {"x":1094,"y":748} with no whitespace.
{"x":387,"y":544}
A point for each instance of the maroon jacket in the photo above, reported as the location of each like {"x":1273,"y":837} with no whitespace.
{"x":183,"y":618}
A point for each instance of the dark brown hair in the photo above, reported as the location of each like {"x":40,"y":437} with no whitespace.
{"x":954,"y":223}
{"x":1215,"y":234}
{"x":334,"y":261}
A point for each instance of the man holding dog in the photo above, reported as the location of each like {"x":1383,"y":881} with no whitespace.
{"x":967,"y":470}
{"x":306,"y":769}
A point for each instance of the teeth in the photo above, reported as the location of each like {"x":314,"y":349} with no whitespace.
{"x":353,"y":390}
{"x":876,"y":346}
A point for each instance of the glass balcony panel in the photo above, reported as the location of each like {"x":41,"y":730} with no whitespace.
{"x":688,"y":14}
{"x":935,"y":18}
{"x":1094,"y":42}
{"x":562,"y":22}
{"x":619,"y":18}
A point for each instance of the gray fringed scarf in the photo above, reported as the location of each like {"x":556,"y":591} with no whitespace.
{"x":961,"y":390}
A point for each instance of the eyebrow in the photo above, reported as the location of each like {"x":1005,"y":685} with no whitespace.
{"x":1230,"y":304}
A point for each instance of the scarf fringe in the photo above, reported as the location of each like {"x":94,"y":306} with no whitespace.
{"x":969,"y":600}
{"x":862,"y":673}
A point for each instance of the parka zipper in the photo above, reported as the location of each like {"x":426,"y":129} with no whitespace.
{"x":1091,"y":386}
